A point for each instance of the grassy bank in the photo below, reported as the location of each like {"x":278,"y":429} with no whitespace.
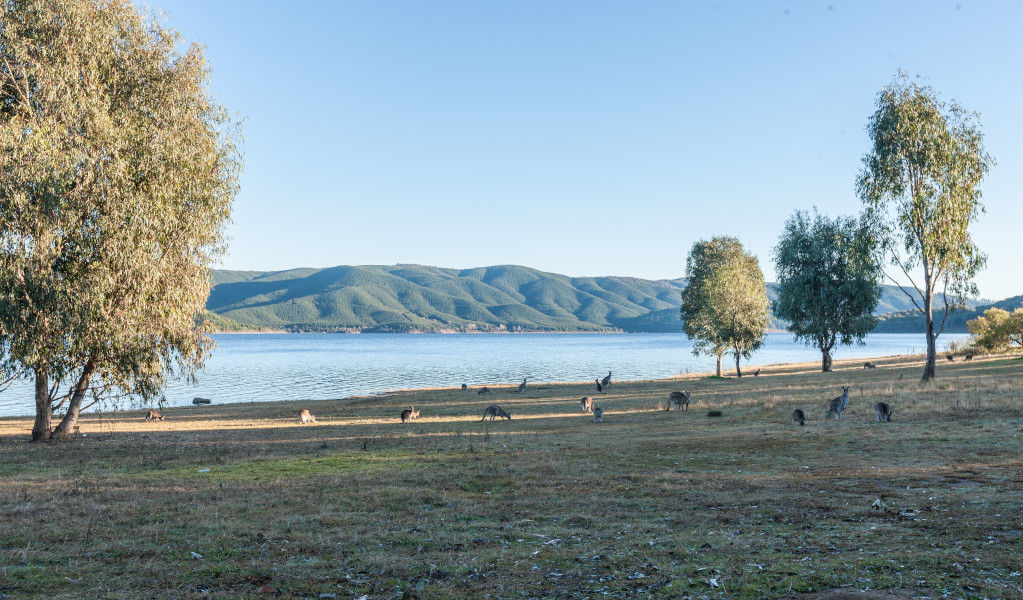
{"x":243,"y":501}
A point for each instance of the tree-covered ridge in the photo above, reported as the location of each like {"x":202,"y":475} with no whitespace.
{"x":421,"y":298}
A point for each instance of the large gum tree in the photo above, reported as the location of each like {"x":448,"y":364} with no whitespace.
{"x":828,"y":273}
{"x":724,"y":304}
{"x":920,"y":186}
{"x":117,"y":174}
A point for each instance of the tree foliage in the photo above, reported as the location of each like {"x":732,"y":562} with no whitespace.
{"x":920,"y":187}
{"x":724,"y":305}
{"x":827,"y":281}
{"x":117,"y":174}
{"x":997,"y":329}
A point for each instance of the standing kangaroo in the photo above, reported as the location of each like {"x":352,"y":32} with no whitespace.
{"x":304,"y":416}
{"x":600,"y":386}
{"x":798,"y":417}
{"x":598,"y":415}
{"x":605,"y":382}
{"x":587,"y":404}
{"x":679,"y":399}
{"x":464,"y":387}
{"x":154,"y":415}
{"x":883,"y":411}
{"x":838,"y":404}
{"x":409,"y":414}
{"x":522,"y":386}
{"x":495,"y":411}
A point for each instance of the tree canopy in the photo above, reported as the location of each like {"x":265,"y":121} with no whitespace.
{"x":117,"y":174}
{"x":997,"y":329}
{"x":827,"y":281}
{"x":920,"y":188}
{"x":724,"y":305}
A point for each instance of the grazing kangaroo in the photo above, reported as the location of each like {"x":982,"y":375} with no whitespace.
{"x":154,"y":415}
{"x":678,"y":399}
{"x":968,"y":357}
{"x":798,"y":417}
{"x":483,"y":390}
{"x":600,"y":387}
{"x":756,"y":373}
{"x":464,"y":387}
{"x":304,"y":416}
{"x":950,"y":357}
{"x":869,"y":365}
{"x":838,"y":404}
{"x":409,"y":414}
{"x":883,"y":411}
{"x":522,"y":386}
{"x":495,"y":411}
{"x":598,"y":415}
{"x":605,"y":382}
{"x":587,"y":403}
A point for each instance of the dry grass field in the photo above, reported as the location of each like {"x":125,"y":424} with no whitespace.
{"x":243,"y":501}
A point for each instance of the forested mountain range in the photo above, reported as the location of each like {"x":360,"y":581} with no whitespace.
{"x":405,"y":298}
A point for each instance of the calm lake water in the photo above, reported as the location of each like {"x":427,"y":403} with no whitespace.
{"x":273,"y":367}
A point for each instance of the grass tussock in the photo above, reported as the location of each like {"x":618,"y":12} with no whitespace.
{"x":242,"y":501}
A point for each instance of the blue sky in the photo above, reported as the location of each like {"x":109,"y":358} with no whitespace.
{"x":584,"y":138}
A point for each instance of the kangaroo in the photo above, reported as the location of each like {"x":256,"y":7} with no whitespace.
{"x":798,"y":417}
{"x":409,"y":414}
{"x":968,"y":357}
{"x":600,"y":386}
{"x":464,"y":387}
{"x":950,"y":357}
{"x":587,"y":404}
{"x":606,"y":382}
{"x":838,"y":404}
{"x":154,"y":415}
{"x":483,"y":390}
{"x":869,"y":365}
{"x":494,"y":411}
{"x":304,"y":416}
{"x":522,"y":386}
{"x":598,"y":415}
{"x":678,"y":399}
{"x":756,"y":373}
{"x":883,"y":411}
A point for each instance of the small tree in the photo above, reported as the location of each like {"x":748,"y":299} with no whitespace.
{"x":919,"y":185}
{"x":117,"y":173}
{"x":724,"y":304}
{"x":827,"y":281}
{"x":997,"y":329}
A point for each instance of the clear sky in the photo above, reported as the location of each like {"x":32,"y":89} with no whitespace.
{"x":583,"y":137}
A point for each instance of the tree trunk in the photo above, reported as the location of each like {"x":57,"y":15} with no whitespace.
{"x":738,"y":357}
{"x":67,"y":424}
{"x":719,"y":365}
{"x":44,"y":407}
{"x":929,"y":326}
{"x":825,"y":361}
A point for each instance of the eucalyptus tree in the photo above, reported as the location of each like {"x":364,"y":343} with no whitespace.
{"x":828,"y":276}
{"x":920,"y":187}
{"x":724,"y":304}
{"x":997,"y":329}
{"x":117,"y":174}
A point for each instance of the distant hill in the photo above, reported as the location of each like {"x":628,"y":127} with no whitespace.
{"x":416,"y":298}
{"x":912,"y":320}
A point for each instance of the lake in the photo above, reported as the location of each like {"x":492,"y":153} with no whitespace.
{"x":274,"y":367}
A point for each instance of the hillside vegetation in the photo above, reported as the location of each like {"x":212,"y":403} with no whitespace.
{"x":242,"y":501}
{"x":406,"y":298}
